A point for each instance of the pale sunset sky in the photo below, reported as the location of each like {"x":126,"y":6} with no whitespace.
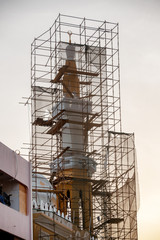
{"x":139,"y":22}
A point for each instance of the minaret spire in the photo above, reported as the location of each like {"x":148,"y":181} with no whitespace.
{"x":69,"y":33}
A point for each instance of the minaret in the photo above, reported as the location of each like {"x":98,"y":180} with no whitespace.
{"x":74,"y":168}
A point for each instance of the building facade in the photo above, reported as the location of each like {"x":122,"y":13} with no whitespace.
{"x":15,"y":196}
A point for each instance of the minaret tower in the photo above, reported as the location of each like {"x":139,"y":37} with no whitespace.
{"x":77,"y":140}
{"x":74,"y":169}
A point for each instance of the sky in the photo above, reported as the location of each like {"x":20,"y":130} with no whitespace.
{"x":139,"y":21}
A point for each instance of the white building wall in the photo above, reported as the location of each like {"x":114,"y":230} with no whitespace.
{"x":19,"y":169}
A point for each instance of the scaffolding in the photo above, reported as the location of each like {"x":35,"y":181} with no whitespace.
{"x":77,"y":138}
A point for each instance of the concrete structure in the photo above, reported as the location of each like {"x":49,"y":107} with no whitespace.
{"x":15,"y":180}
{"x":48,"y":223}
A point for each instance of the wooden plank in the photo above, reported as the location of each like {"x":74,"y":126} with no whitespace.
{"x":61,"y":122}
{"x":41,"y":122}
{"x":75,"y":122}
{"x":88,"y":96}
{"x":57,"y":127}
{"x":57,"y":115}
{"x":71,"y":70}
{"x":93,"y":116}
{"x":67,"y":69}
{"x":64,"y":150}
{"x":85,"y":83}
{"x":61,"y":179}
{"x":70,"y":111}
{"x":91,"y":125}
{"x":48,"y":123}
{"x":60,"y":74}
